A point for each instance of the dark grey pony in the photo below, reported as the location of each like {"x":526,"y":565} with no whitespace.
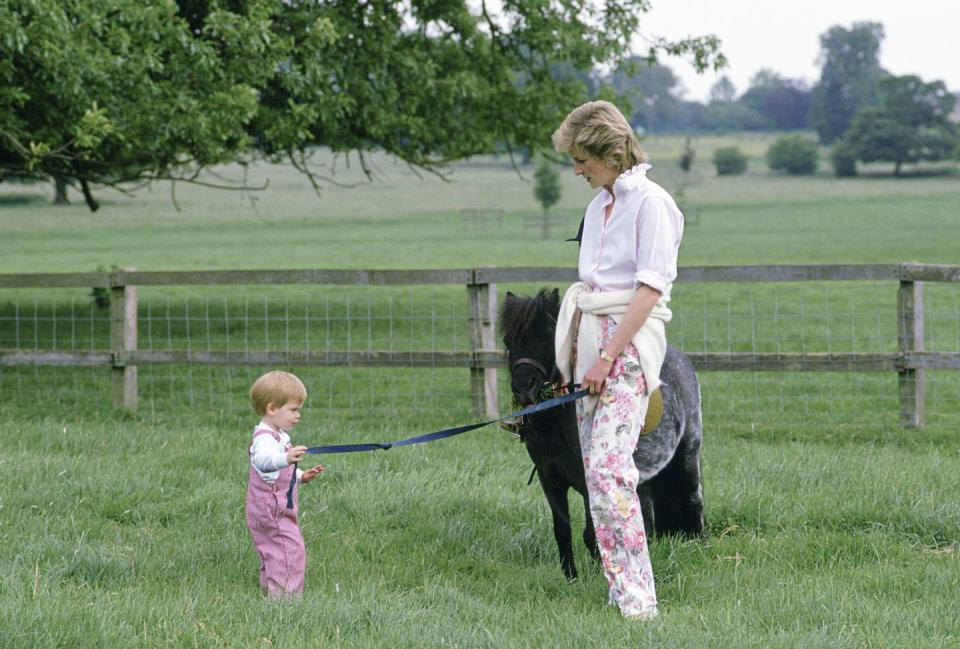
{"x":670,"y":491}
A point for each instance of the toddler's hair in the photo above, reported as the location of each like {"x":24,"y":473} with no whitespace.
{"x":277,"y":387}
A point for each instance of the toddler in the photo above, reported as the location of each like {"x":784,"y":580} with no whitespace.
{"x":271,"y":507}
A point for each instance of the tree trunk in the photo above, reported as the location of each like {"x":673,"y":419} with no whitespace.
{"x":896,"y":168}
{"x":545,"y":225}
{"x":60,"y":191}
{"x":88,"y":196}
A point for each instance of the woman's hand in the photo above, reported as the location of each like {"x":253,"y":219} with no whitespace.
{"x":311,"y":473}
{"x":596,"y":376}
{"x":295,"y":454}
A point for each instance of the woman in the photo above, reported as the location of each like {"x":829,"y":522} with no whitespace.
{"x":610,"y":334}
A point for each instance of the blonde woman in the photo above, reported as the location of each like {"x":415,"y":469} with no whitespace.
{"x":611,"y":333}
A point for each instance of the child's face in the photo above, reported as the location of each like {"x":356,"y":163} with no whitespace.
{"x":285,"y":417}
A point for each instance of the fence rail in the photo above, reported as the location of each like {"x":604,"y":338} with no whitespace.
{"x":483,"y":359}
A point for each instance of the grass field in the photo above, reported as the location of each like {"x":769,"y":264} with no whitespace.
{"x":828,"y":525}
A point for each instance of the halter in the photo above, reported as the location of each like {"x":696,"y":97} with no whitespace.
{"x":551,"y":380}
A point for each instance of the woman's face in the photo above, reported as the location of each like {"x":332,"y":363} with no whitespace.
{"x":595,"y":171}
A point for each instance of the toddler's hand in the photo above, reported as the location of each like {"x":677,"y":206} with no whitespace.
{"x":295,"y":454}
{"x":311,"y":473}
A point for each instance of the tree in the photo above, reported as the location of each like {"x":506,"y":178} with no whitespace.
{"x":546,"y":188}
{"x":723,"y":90}
{"x":651,"y":90}
{"x":848,"y":79}
{"x":910,"y":124}
{"x":730,"y":116}
{"x":106,"y":92}
{"x":784,"y":104}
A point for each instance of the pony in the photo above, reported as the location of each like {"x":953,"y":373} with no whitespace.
{"x":668,"y":457}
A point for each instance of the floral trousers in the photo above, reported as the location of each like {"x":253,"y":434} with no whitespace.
{"x":608,"y":436}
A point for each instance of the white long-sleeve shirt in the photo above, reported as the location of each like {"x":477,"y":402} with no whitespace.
{"x":639,"y":243}
{"x":268,"y":456}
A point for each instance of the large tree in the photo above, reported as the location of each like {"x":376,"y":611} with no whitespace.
{"x":106,"y":92}
{"x":783,"y":103}
{"x":848,"y":79}
{"x":651,"y":90}
{"x":912,"y":123}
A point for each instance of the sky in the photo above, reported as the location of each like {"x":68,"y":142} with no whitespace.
{"x":785,"y":37}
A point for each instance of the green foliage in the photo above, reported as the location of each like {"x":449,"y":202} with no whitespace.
{"x":723,"y":90}
{"x":729,"y":117}
{"x":546,"y":185}
{"x":843,"y":157}
{"x":99,"y":294}
{"x":106,"y":92}
{"x":650,"y":90}
{"x":784,"y":104}
{"x":849,"y":77}
{"x":911,"y":124}
{"x":729,"y":161}
{"x":794,"y":154}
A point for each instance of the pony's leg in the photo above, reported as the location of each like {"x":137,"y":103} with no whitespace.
{"x":690,"y":485}
{"x":645,"y":494}
{"x":678,"y":492}
{"x":559,"y":508}
{"x":668,"y":497}
{"x":589,"y":534}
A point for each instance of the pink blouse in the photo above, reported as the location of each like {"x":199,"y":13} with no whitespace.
{"x":640,"y":241}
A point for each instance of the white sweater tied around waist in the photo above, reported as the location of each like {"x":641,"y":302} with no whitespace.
{"x":650,"y":340}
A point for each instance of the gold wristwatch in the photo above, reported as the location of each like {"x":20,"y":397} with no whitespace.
{"x":605,"y":356}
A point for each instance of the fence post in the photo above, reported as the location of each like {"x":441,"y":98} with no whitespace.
{"x":483,"y":336}
{"x":911,"y":384}
{"x":123,"y":339}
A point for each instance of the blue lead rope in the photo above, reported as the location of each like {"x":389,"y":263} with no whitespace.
{"x":431,"y":437}
{"x":449,"y":432}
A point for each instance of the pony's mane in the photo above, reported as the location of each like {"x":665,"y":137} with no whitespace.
{"x":520,"y":314}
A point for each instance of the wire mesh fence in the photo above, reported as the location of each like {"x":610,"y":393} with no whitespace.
{"x":433,"y":322}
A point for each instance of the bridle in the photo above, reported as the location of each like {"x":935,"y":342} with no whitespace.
{"x":551,"y":379}
{"x":552,"y":386}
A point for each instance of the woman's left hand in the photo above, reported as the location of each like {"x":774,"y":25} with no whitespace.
{"x":596,"y":376}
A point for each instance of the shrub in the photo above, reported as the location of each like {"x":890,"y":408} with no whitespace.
{"x":844,"y":159}
{"x":729,"y":161}
{"x":793,"y":154}
{"x":101,"y":295}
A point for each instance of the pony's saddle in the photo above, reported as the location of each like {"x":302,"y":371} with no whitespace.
{"x":654,"y":412}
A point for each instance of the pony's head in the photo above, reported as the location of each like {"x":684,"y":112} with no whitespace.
{"x":528,"y":325}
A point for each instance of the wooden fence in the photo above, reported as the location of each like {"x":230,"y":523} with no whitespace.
{"x":484,"y":357}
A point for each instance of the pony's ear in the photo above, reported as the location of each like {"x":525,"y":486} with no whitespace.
{"x":556,"y":295}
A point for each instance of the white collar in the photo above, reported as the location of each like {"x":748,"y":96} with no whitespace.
{"x":264,"y":424}
{"x":630,"y":179}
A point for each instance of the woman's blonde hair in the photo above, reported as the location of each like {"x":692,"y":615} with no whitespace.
{"x":599,"y":130}
{"x":277,"y":387}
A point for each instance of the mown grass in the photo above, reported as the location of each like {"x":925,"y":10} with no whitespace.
{"x":828,"y":524}
{"x":130,"y":533}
